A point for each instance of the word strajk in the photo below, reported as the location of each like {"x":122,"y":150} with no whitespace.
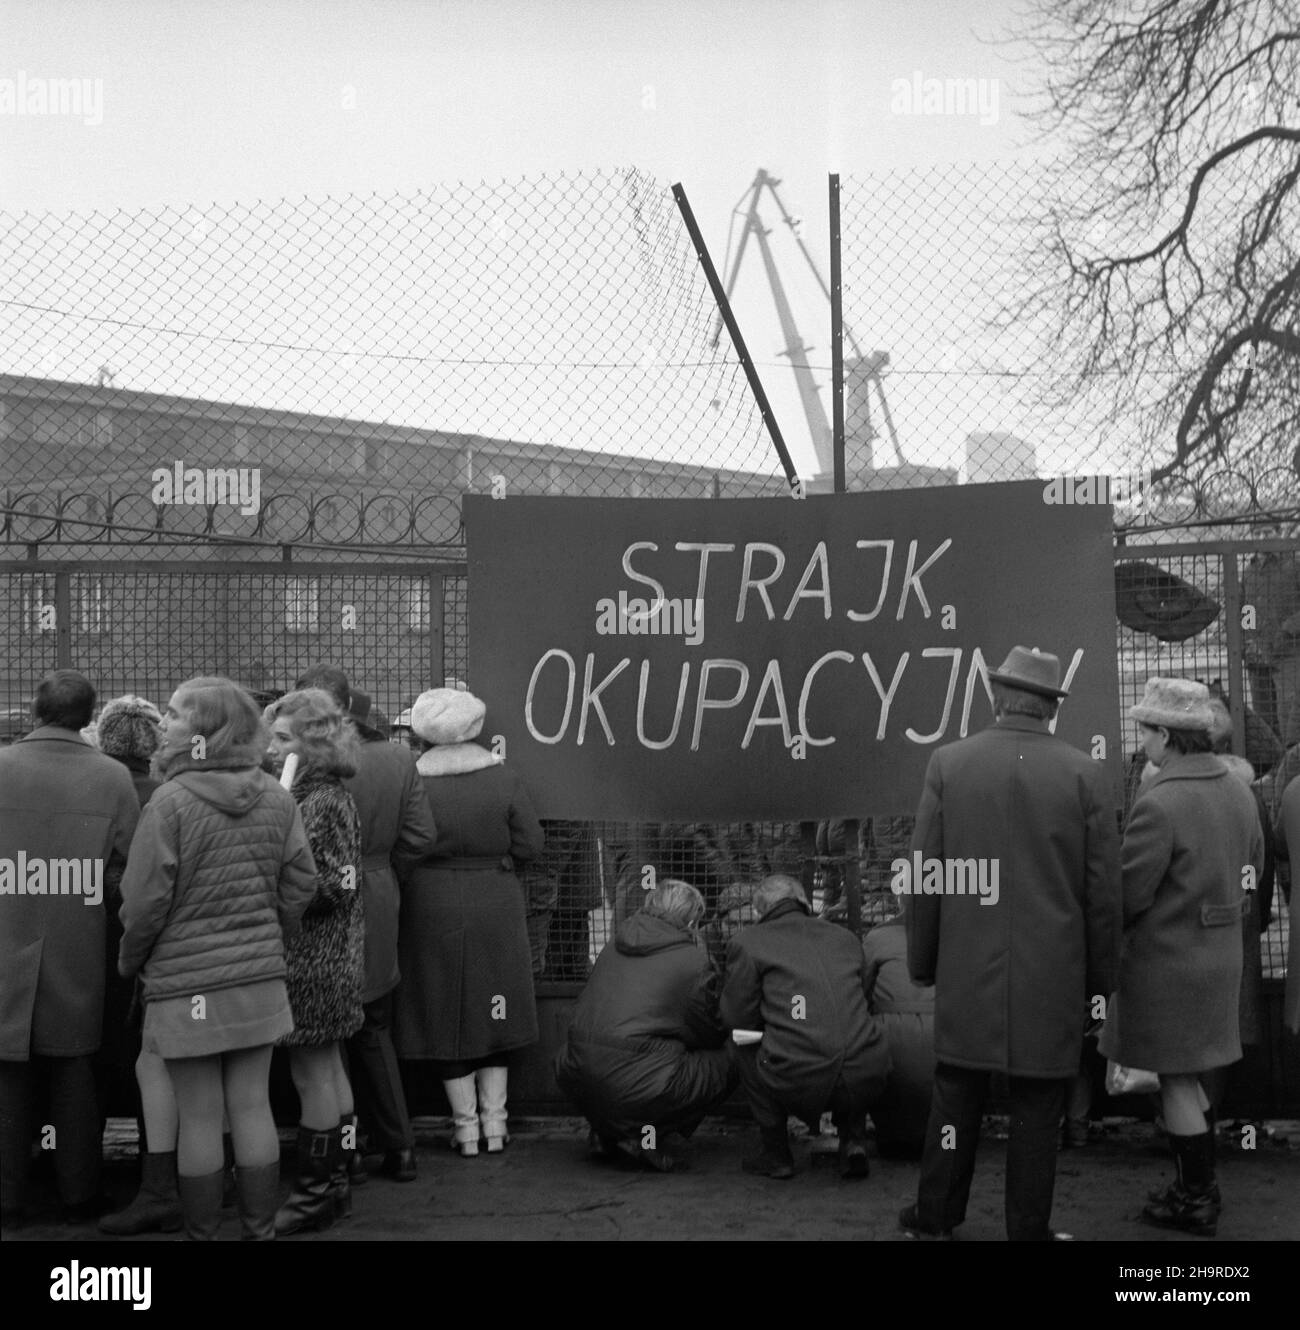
{"x":212,"y":485}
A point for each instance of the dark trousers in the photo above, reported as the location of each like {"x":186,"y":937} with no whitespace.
{"x":847,"y":1103}
{"x":952,"y":1135}
{"x":377,"y":1080}
{"x":73,"y":1114}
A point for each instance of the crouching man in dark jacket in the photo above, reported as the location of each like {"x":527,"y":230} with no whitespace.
{"x":645,"y":1057}
{"x":801,"y":982}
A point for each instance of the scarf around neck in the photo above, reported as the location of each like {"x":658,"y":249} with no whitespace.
{"x":454,"y":760}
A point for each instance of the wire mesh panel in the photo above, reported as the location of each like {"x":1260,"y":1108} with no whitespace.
{"x":337,"y":372}
{"x":146,"y":629}
{"x":1228,"y":616}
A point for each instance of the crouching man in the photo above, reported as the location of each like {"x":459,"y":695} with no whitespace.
{"x":645,"y":1058}
{"x":801,"y":982}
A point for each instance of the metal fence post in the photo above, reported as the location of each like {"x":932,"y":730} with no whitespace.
{"x":437,"y":637}
{"x":63,"y":619}
{"x":1236,"y":650}
{"x":837,"y":341}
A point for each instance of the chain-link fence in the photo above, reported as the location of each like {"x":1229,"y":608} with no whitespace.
{"x":953,"y":372}
{"x":338,"y":372}
{"x":333,"y":375}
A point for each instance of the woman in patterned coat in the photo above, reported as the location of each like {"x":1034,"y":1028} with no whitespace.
{"x":326,"y":959}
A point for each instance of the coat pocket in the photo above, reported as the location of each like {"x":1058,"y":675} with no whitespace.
{"x":1218,"y":916}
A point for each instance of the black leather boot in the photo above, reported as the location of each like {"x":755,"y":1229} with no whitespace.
{"x":311,"y":1203}
{"x":341,"y":1174}
{"x":259,"y":1193}
{"x":201,"y":1205}
{"x":157,"y":1205}
{"x":1192,"y":1204}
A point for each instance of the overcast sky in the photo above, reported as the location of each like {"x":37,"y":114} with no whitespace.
{"x":221,"y":101}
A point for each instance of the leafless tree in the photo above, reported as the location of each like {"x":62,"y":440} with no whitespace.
{"x":1166,"y":254}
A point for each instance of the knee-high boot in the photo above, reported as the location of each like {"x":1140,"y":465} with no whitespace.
{"x":201,"y":1205}
{"x":157,"y":1205}
{"x":259,"y":1193}
{"x":311,"y":1203}
{"x":463,"y":1098}
{"x":492,"y":1107}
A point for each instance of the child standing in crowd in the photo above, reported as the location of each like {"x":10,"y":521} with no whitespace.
{"x":219,"y":870}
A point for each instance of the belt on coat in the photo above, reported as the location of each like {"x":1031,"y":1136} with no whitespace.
{"x":375,"y":863}
{"x":475,"y":864}
{"x":905,"y":1009}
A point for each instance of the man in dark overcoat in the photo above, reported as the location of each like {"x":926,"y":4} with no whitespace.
{"x":67,"y":816}
{"x":1015,"y":970}
{"x":801,"y":983}
{"x":395,"y":819}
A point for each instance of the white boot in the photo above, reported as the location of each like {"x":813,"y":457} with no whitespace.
{"x":464,"y":1114}
{"x":492,"y":1104}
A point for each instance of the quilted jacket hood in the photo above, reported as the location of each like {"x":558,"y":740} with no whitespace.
{"x":233,"y":792}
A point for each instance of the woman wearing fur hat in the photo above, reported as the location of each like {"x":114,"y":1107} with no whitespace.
{"x":325,"y":959}
{"x":1192,"y":838}
{"x":466,"y":997}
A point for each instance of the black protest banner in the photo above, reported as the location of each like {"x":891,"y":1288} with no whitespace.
{"x":753,"y":659}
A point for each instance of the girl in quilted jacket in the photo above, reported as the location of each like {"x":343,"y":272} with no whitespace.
{"x":326,"y":960}
{"x":218,"y":873}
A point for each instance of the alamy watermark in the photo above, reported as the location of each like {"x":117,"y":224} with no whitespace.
{"x":1130,"y":489}
{"x":179,"y":484}
{"x":956,"y":97}
{"x":661,"y":617}
{"x":24,"y":876}
{"x":40,"y":96}
{"x":920,"y":876}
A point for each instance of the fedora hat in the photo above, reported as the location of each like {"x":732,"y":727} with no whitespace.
{"x":1033,"y":670}
{"x":1177,"y":704}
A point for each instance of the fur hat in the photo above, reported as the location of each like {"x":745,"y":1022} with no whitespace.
{"x":1032,"y":670}
{"x":447,"y":716}
{"x":1178,"y":704}
{"x":129,"y":727}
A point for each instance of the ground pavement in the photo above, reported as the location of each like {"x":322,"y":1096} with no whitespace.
{"x":545,"y":1187}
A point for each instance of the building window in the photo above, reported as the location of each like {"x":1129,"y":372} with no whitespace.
{"x":302,"y":605}
{"x":36,"y":612}
{"x":415,"y":605}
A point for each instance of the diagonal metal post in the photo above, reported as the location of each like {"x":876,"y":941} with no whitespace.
{"x":733,"y":328}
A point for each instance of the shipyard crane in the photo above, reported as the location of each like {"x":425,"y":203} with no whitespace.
{"x":862,"y":373}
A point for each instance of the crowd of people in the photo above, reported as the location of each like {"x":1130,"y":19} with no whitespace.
{"x":239,"y":912}
{"x":284,"y":876}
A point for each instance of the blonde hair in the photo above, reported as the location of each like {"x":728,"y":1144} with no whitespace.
{"x":675,"y":901}
{"x":225,"y":716}
{"x":329,"y":743}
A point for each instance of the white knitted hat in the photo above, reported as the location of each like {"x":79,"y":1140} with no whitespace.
{"x":447,"y":716}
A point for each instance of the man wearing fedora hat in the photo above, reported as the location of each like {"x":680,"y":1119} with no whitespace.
{"x":1013,"y":975}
